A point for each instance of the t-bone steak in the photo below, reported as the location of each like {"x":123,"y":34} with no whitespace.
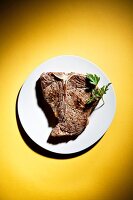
{"x":67,"y":95}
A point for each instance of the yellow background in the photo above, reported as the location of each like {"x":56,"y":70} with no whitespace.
{"x":32,"y":32}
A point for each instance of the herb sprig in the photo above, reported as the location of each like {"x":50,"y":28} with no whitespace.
{"x":93,"y":79}
{"x":97,"y":93}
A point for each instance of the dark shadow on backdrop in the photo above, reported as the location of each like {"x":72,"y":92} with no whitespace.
{"x":35,"y":147}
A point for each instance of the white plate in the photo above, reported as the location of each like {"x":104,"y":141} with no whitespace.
{"x":34,"y":121}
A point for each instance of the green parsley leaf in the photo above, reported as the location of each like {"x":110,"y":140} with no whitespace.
{"x":93,"y":79}
{"x":97,"y":93}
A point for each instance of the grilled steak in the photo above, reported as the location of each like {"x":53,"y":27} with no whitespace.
{"x":67,"y":95}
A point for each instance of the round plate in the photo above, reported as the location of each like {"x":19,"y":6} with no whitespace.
{"x":35,"y":122}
